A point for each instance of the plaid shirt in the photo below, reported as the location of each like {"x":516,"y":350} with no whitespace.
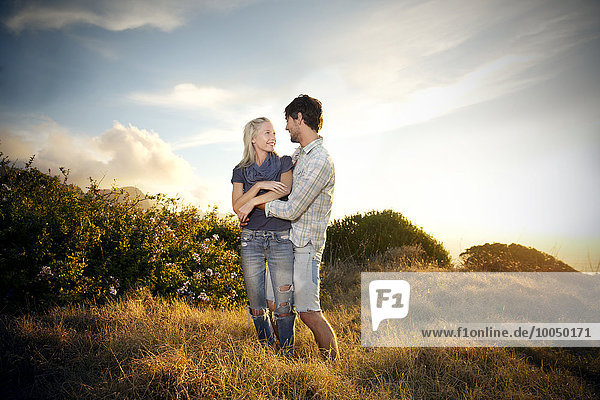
{"x":309,"y":204}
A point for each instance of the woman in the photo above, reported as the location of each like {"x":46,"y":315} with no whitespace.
{"x":263,"y":176}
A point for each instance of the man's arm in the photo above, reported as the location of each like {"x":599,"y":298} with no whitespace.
{"x":307,"y":188}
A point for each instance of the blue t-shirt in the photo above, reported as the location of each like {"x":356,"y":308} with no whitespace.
{"x":257,"y":220}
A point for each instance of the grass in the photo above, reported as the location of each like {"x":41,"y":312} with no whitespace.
{"x":146,"y":347}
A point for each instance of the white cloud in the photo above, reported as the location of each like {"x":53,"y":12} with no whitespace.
{"x":187,"y":95}
{"x":227,"y":110}
{"x":209,"y":137}
{"x":113,"y":15}
{"x":404,"y":63}
{"x":385,"y":52}
{"x":400,"y":64}
{"x":125,"y":155}
{"x":379,"y":114}
{"x":497,"y":78}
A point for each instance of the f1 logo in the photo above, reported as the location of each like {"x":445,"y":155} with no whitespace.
{"x":389,"y":299}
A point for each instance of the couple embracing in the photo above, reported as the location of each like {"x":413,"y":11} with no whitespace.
{"x":284,"y":204}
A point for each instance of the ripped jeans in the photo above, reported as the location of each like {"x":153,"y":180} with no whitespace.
{"x":259,"y":248}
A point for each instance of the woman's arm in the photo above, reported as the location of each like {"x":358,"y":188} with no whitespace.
{"x":248,"y":206}
{"x":239,"y":198}
{"x":237,"y":193}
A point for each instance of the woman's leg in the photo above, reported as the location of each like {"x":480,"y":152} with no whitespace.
{"x":271,"y":302}
{"x":253,"y":264}
{"x":280,"y":257}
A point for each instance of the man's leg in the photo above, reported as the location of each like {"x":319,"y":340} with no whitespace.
{"x":306,"y":298}
{"x":323,"y":332}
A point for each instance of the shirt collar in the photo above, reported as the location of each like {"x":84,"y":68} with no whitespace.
{"x":317,"y":142}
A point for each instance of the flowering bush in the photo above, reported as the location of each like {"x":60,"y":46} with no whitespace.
{"x":59,"y":244}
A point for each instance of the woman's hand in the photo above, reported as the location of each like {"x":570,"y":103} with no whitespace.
{"x":275,"y":186}
{"x":245,"y":210}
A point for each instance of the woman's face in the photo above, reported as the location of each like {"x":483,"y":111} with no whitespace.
{"x":264,"y":140}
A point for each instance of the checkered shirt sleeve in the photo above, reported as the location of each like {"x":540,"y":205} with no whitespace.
{"x":310,"y":202}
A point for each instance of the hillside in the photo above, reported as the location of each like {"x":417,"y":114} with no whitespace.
{"x":129,"y":194}
{"x":499,"y":257}
{"x":100,"y":299}
{"x":147,"y":347}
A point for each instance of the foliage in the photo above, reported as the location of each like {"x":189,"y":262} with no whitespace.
{"x":59,"y":244}
{"x":498,"y":257}
{"x":359,"y":237}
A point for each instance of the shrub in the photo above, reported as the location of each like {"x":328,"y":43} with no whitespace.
{"x":59,"y":244}
{"x":359,"y":237}
{"x":499,"y":257}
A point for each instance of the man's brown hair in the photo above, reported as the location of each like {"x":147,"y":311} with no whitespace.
{"x":310,"y":108}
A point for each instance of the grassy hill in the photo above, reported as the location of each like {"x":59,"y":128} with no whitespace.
{"x":147,"y":347}
{"x":108,"y":300}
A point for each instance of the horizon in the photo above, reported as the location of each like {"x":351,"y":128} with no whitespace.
{"x":477,"y":121}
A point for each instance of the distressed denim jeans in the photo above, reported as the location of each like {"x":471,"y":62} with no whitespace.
{"x":272,"y":248}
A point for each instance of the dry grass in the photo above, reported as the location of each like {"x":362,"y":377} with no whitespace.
{"x":146,"y":347}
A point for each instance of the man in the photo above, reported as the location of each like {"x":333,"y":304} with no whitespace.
{"x":309,"y":209}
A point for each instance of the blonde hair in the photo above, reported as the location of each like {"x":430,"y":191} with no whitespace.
{"x":250,"y":131}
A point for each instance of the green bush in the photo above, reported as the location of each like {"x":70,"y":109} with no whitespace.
{"x":59,"y":244}
{"x":359,"y":237}
{"x":499,"y":257}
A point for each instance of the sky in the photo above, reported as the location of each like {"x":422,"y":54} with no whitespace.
{"x":479,"y":121}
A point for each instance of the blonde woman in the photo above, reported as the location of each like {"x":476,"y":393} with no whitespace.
{"x":260,"y":177}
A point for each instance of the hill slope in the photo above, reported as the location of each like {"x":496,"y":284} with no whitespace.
{"x":499,"y":257}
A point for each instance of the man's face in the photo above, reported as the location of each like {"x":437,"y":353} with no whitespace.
{"x":292,"y":127}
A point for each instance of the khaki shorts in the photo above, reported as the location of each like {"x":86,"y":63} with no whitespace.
{"x":307,"y":262}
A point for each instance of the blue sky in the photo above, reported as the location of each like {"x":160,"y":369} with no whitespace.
{"x":478,"y":120}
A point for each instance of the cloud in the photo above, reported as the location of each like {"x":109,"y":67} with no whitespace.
{"x":99,"y":46}
{"x":401,"y":63}
{"x":113,"y":15}
{"x":400,"y":47}
{"x":404,"y":63}
{"x":125,"y":155}
{"x":188,"y":96}
{"x":225,"y":110}
{"x":211,"y":136}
